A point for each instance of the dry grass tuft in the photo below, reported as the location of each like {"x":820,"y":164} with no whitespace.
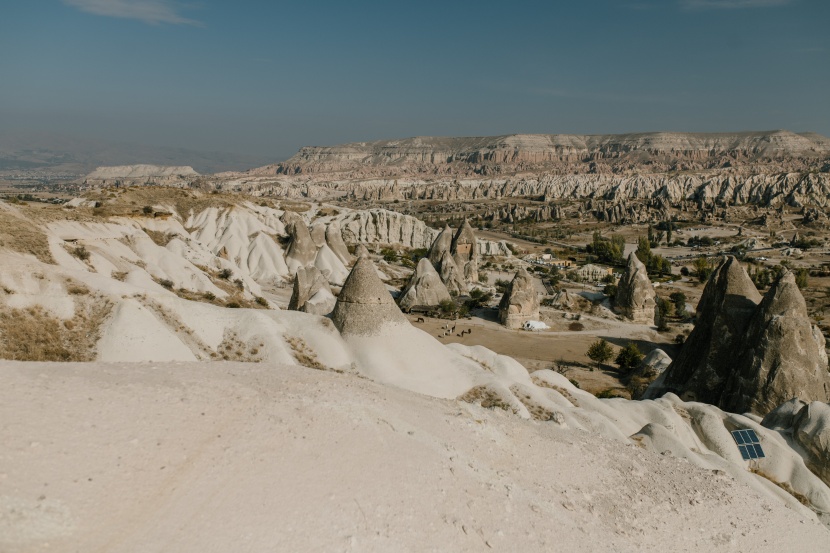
{"x":305,"y":356}
{"x":537,"y":412}
{"x":160,"y":238}
{"x":565,"y":393}
{"x":486,"y":397}
{"x":21,"y":235}
{"x":33,"y":334}
{"x":784,"y":486}
{"x":233,"y":348}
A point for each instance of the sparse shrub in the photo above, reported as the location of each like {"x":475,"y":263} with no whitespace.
{"x":147,"y":210}
{"x":233,"y":305}
{"x":447,"y":306}
{"x":119,"y":275}
{"x":166,"y":283}
{"x":501,"y":285}
{"x":225,"y":274}
{"x":81,"y":252}
{"x":389,"y":255}
{"x":261,"y":301}
{"x":210,"y":296}
{"x":77,"y":290}
{"x":239,"y":284}
{"x":576,"y":327}
{"x":607,"y":394}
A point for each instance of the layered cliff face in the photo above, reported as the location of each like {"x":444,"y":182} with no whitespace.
{"x":132,"y":175}
{"x":763,"y":168}
{"x":549,"y":151}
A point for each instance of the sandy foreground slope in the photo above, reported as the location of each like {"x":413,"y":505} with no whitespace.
{"x":232,"y":457}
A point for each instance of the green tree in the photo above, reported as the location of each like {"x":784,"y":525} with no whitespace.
{"x":679,"y":301}
{"x":478,"y":298}
{"x":608,"y":250}
{"x":600,"y":352}
{"x":644,"y":250}
{"x":801,"y":277}
{"x":702,"y":268}
{"x":447,"y":306}
{"x":629,"y":357}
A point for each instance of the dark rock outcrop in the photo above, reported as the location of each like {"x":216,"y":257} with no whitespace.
{"x":745,"y":355}
{"x":710,"y":353}
{"x":783,"y":355}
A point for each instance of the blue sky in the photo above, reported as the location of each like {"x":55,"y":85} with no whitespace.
{"x":268,"y":77}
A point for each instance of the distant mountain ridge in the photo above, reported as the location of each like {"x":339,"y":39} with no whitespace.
{"x":71,"y":154}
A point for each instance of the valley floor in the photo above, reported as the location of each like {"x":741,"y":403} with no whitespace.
{"x":225,"y":457}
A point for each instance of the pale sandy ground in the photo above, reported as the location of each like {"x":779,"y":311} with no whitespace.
{"x":188,"y":457}
{"x":545,"y":349}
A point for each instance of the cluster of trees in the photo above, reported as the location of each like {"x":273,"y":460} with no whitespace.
{"x":763,"y":277}
{"x":628,"y":358}
{"x":607,"y":249}
{"x":655,"y":264}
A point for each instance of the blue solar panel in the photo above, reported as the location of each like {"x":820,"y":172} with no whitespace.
{"x":748,"y":444}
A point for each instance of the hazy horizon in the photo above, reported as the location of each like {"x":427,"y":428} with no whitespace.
{"x":263,"y":81}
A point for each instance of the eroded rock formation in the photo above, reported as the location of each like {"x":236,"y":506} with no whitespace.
{"x":748,"y":354}
{"x":301,"y":250}
{"x":311,"y":293}
{"x":424,"y":289}
{"x":783,"y":355}
{"x":465,"y":252}
{"x":808,"y":424}
{"x":451,"y":275}
{"x":635,"y":295}
{"x":711,"y":351}
{"x":520,"y":302}
{"x":364,"y":306}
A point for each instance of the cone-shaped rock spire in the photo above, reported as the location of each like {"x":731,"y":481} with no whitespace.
{"x":441,"y":244}
{"x":301,"y":251}
{"x":424,"y":287}
{"x":334,"y":238}
{"x":451,"y":275}
{"x":464,"y":250}
{"x":784,"y":356}
{"x":364,"y":306}
{"x":712,"y":350}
